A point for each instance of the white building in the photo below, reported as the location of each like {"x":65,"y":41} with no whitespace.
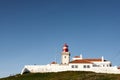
{"x":78,"y":63}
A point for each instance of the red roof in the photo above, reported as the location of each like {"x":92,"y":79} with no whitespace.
{"x":86,"y":61}
{"x":119,"y":67}
{"x":80,"y":61}
{"x":77,"y":57}
{"x":53,"y":63}
{"x":94,"y":60}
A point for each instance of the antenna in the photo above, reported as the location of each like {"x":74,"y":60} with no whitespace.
{"x":55,"y":59}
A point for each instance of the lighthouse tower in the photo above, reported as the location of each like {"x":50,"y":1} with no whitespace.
{"x":65,"y":58}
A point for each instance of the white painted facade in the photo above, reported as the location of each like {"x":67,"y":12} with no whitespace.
{"x":65,"y":58}
{"x":78,"y":63}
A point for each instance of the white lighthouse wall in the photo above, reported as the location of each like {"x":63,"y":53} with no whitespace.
{"x":65,"y":59}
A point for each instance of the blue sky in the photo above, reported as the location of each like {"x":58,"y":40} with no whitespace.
{"x":34,"y":31}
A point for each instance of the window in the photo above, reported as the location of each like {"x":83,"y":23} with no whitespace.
{"x":76,"y":66}
{"x":84,"y":66}
{"x":103,"y":65}
{"x":94,"y":65}
{"x":72,"y":66}
{"x":88,"y":66}
{"x":64,"y":56}
{"x":110,"y":65}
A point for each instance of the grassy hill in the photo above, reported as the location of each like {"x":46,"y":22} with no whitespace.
{"x":70,"y":75}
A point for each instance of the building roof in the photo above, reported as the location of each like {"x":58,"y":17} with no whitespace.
{"x":119,"y":67}
{"x":94,"y":60}
{"x":86,"y":61}
{"x":77,"y":57}
{"x":53,"y":62}
{"x":80,"y":61}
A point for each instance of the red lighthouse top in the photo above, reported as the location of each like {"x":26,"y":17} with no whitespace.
{"x":65,"y":48}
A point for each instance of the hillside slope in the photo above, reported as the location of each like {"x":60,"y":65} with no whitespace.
{"x":70,"y":75}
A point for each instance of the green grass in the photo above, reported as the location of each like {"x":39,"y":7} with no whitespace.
{"x":69,"y":75}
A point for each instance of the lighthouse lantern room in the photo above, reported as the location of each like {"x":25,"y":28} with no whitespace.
{"x":65,"y":55}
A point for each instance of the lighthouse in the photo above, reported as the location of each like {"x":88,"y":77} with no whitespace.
{"x":65,"y":55}
{"x":78,"y":63}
